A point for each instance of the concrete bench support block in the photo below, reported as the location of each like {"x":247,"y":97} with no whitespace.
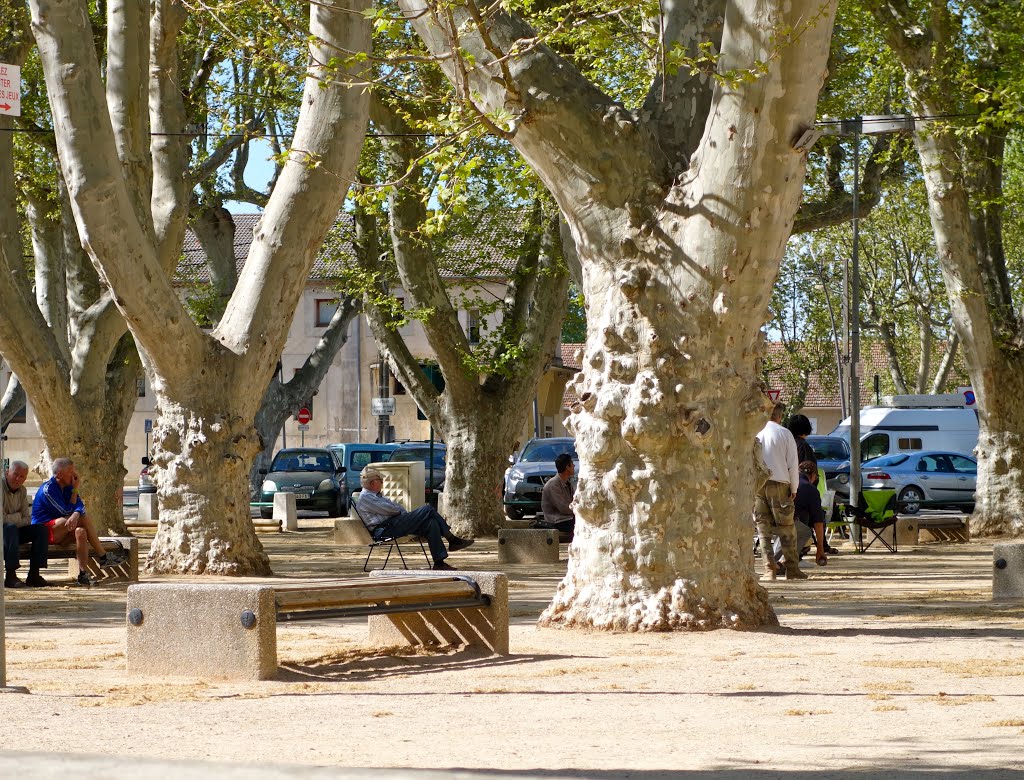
{"x":202,"y":631}
{"x":285,"y":511}
{"x":907,"y":529}
{"x":149,"y":509}
{"x":527,"y":545}
{"x":126,"y":572}
{"x":350,"y":530}
{"x":1008,"y":570}
{"x":486,"y":627}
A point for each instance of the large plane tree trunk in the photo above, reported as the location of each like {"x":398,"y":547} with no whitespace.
{"x":679,"y":215}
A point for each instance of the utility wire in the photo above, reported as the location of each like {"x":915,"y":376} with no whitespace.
{"x":867,"y":120}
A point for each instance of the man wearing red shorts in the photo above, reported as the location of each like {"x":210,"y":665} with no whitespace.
{"x":58,"y":506}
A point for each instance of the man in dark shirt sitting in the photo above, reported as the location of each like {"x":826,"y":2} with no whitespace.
{"x":556,"y":498}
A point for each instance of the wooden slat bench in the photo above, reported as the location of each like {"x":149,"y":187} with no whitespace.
{"x":149,"y":526}
{"x":125,"y":572}
{"x":229,"y":631}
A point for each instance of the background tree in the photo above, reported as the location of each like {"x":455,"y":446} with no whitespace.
{"x":202,"y":381}
{"x":962,"y":71}
{"x":59,"y":329}
{"x":680,"y":197}
{"x":448,"y":259}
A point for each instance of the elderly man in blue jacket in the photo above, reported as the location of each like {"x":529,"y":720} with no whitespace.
{"x":58,"y":506}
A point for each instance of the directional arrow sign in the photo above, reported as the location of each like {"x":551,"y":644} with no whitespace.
{"x":10,"y":89}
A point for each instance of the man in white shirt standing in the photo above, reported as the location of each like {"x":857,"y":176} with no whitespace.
{"x":773,"y":501}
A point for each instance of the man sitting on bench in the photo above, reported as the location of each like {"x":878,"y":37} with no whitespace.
{"x":385,"y":519}
{"x":556,"y":498}
{"x":18,"y":529}
{"x":58,"y":506}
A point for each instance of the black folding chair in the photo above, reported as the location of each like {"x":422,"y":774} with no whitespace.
{"x":392,"y":543}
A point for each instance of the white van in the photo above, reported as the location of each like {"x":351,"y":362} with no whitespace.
{"x":910,"y":423}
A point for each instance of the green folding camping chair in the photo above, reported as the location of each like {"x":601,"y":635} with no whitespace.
{"x":875,"y":511}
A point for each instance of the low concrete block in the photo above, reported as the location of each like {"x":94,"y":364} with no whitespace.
{"x":907,"y":529}
{"x":149,"y":509}
{"x":1008,"y":570}
{"x":125,"y":572}
{"x":202,"y":631}
{"x":285,"y":511}
{"x":487,"y":627}
{"x":527,"y":545}
{"x":350,"y":530}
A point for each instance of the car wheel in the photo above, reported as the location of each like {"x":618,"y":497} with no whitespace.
{"x":969,"y":509}
{"x":514,"y":512}
{"x":910,"y":500}
{"x":266,"y":512}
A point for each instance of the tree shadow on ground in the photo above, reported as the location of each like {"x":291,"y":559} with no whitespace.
{"x":375,"y":664}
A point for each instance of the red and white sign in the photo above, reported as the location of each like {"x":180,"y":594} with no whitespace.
{"x":10,"y":89}
{"x":773,"y":395}
{"x":303,"y":416}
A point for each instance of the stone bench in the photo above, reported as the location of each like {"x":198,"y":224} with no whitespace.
{"x":527,"y":545}
{"x":954,"y":528}
{"x":124,"y":572}
{"x":229,"y":631}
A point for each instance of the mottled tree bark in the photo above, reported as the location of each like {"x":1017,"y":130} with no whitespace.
{"x":679,"y":216}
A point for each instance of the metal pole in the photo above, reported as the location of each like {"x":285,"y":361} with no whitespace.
{"x":854,"y":314}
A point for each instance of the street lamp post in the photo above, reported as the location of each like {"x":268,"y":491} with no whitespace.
{"x":856,"y":127}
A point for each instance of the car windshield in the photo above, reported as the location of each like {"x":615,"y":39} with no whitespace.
{"x":421,"y":454}
{"x":842,"y":432}
{"x":829,"y":448}
{"x":302,"y":461}
{"x":540,"y":451}
{"x":887,"y":460}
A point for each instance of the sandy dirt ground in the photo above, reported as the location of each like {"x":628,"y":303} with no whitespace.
{"x":884,"y":664}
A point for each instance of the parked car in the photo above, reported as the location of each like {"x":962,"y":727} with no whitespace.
{"x":421,"y":451}
{"x":948,"y":478}
{"x":146,"y":483}
{"x":313,"y":474}
{"x":531,"y":468}
{"x":833,"y":455}
{"x":355,"y":457}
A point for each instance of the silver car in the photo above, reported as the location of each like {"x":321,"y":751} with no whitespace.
{"x":531,"y":468}
{"x":940,"y":478}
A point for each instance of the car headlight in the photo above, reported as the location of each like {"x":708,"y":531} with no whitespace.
{"x":269,"y":486}
{"x":326,"y":485}
{"x":514,"y":477}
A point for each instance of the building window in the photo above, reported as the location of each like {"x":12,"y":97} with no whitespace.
{"x":473,"y":326}
{"x":140,"y":387}
{"x":399,"y":388}
{"x":325,"y":309}
{"x":21,"y":415}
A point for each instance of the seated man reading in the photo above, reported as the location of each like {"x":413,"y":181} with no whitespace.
{"x":556,"y":498}
{"x":384,"y":519}
{"x":18,"y":529}
{"x":58,"y":507}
